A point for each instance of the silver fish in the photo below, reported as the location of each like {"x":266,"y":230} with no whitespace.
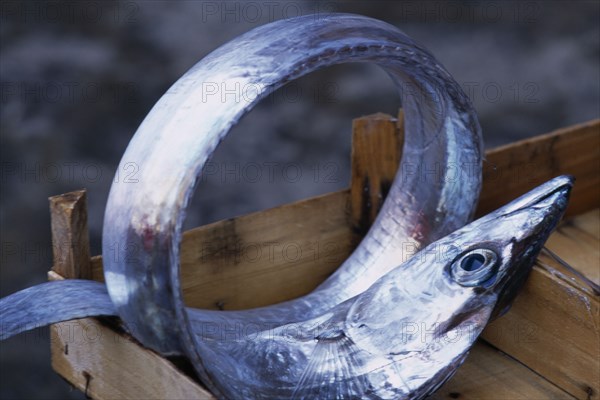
{"x":146,"y":219}
{"x":404,"y":336}
{"x":53,"y":302}
{"x":143,"y":220}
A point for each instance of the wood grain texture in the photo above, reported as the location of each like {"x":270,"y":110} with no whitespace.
{"x":253,"y":260}
{"x":106,"y":364}
{"x":376,"y":151}
{"x":265,"y":257}
{"x":489,"y":374}
{"x":554,"y":324}
{"x":518,"y":167}
{"x":590,"y":223}
{"x":578,"y":240}
{"x":70,"y":236}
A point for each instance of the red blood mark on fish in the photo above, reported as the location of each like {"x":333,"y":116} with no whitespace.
{"x":148,"y":237}
{"x":421,"y":228}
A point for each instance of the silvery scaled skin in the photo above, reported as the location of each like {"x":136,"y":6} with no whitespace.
{"x":143,"y":220}
{"x":373,"y":329}
{"x":404,"y":336}
{"x":52,"y":302}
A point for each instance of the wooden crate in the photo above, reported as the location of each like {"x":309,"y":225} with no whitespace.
{"x":546,"y":347}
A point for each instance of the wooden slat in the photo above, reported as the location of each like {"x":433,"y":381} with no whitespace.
{"x":554,"y":324}
{"x":108,"y":364}
{"x":580,"y":233}
{"x":589,"y":223}
{"x":376,"y":151}
{"x":105,"y":364}
{"x":218,"y":264}
{"x":219,"y":272}
{"x":265,"y":257}
{"x":514,"y":169}
{"x":97,"y":269}
{"x":285,"y":252}
{"x":552,"y":328}
{"x":491,"y":375}
{"x":70,"y":237}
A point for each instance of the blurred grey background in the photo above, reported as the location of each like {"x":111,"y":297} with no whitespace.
{"x":77,"y":78}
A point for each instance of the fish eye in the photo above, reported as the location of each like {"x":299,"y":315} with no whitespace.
{"x":474,"y":267}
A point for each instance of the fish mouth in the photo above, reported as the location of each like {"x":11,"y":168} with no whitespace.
{"x":536,"y":214}
{"x":553,"y":193}
{"x":539,"y":211}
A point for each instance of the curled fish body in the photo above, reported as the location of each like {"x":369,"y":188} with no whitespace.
{"x":53,"y":302}
{"x":402,"y":338}
{"x":143,"y":220}
{"x":185,"y":126}
{"x":405,"y":335}
{"x":359,"y":334}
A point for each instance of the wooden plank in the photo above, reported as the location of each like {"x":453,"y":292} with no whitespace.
{"x":97,"y":269}
{"x":98,"y":360}
{"x":106,"y":364}
{"x":552,"y":328}
{"x":266,"y":257}
{"x":217,"y":271}
{"x":554,"y":324}
{"x":589,"y":223}
{"x":376,"y":152}
{"x":285,"y":252}
{"x":514,"y":169}
{"x":227,"y":264}
{"x":580,"y":233}
{"x":489,"y":374}
{"x":70,"y":237}
{"x":213,"y":269}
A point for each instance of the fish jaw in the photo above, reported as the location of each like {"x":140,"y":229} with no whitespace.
{"x":544,"y":213}
{"x":513,"y":236}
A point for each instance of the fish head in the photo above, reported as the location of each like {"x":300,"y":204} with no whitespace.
{"x":426,"y":314}
{"x":461,"y":281}
{"x":493,"y":255}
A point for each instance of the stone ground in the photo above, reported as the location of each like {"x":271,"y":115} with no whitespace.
{"x":78,"y":77}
